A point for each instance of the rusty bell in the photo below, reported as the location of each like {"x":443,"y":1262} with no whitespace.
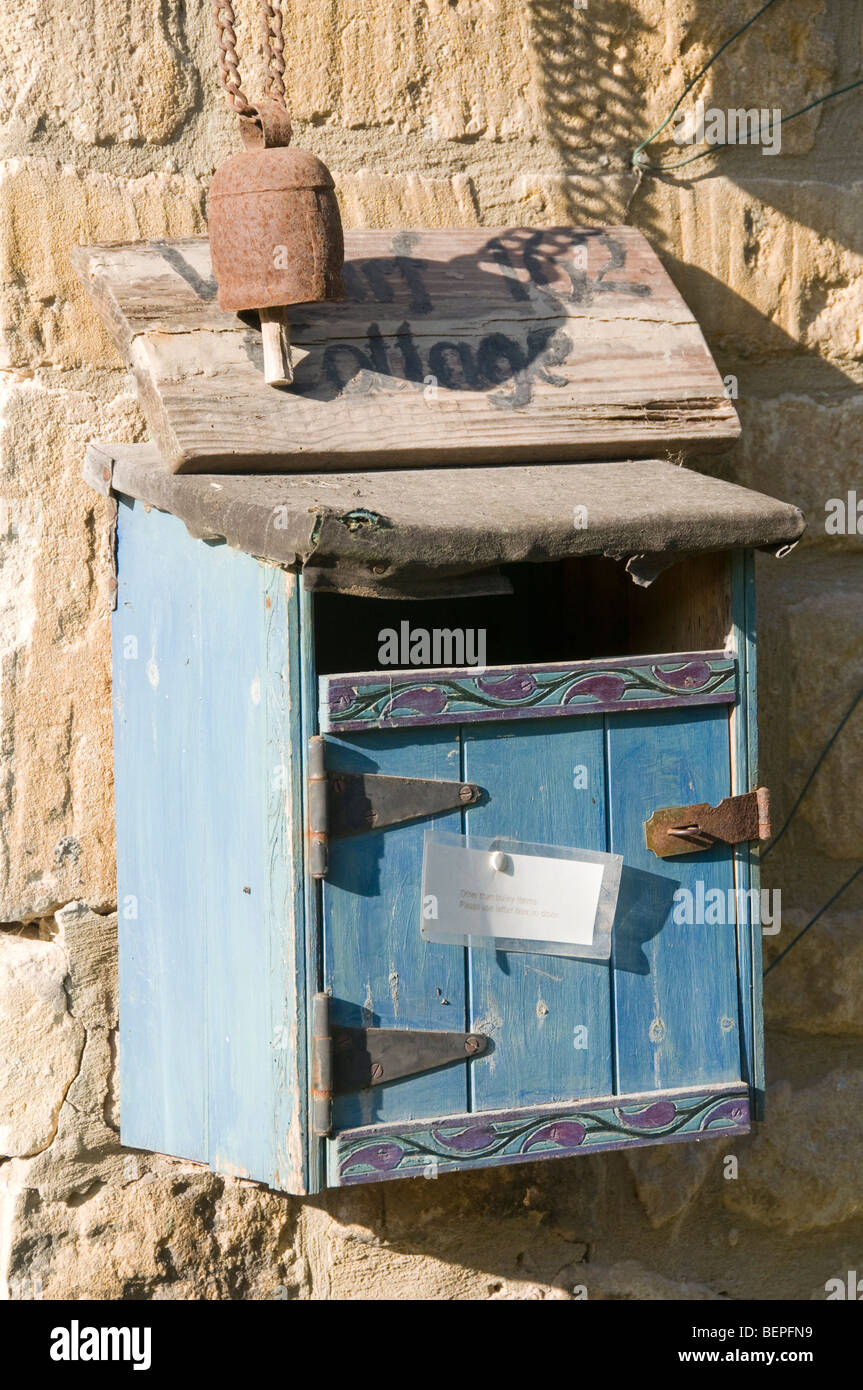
{"x":275,"y":229}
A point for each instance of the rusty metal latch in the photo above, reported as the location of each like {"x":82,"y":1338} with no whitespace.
{"x":353,"y":803}
{"x":689,"y":829}
{"x":345,"y":1060}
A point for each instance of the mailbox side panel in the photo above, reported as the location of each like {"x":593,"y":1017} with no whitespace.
{"x":162,"y":944}
{"x":211,"y":1048}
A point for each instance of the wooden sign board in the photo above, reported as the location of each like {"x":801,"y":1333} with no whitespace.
{"x":451,"y":347}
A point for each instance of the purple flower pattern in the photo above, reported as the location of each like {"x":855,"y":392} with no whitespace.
{"x":507,"y":1137}
{"x":359,"y":702}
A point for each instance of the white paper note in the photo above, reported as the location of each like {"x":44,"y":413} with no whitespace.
{"x":490,"y":891}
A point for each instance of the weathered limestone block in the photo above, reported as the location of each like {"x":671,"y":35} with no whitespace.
{"x":90,"y":941}
{"x":484,"y":1235}
{"x":47,"y":208}
{"x":100,"y":71}
{"x":445,"y":1252}
{"x":455,"y":72}
{"x":818,"y":987}
{"x":804,"y":448}
{"x":85,"y":1152}
{"x":801,"y":1171}
{"x":629,"y":1280}
{"x":767,"y":264}
{"x":810,"y":610}
{"x":538,"y":198}
{"x":56,"y":813}
{"x":666,"y":47}
{"x":170,"y":1232}
{"x":581,"y":78}
{"x":83,"y":1217}
{"x":479,"y":1237}
{"x":75,"y":960}
{"x":372,"y":199}
{"x":669,"y":1177}
{"x":40,"y":1043}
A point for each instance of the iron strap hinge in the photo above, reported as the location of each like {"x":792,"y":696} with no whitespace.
{"x":352,"y":803}
{"x":345,"y":1060}
{"x":688,"y":829}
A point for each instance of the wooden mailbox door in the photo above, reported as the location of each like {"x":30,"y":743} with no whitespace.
{"x":652,"y":1045}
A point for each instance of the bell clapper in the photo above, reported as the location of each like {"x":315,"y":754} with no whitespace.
{"x":276,"y":338}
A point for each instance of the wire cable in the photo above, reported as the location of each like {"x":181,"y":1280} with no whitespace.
{"x":639,"y":159}
{"x":811,"y":923}
{"x":811,"y":778}
{"x":792,"y":813}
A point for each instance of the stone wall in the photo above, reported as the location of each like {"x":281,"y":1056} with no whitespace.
{"x":441,"y":113}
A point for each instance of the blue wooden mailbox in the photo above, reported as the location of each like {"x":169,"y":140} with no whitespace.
{"x":342,"y":696}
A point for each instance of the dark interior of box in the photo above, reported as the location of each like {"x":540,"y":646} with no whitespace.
{"x":571,"y":610}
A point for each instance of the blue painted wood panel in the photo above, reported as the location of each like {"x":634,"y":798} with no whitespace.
{"x":304,"y":710}
{"x":532,"y":1004}
{"x":287,"y":885}
{"x":206,"y":775}
{"x":664,"y":1014}
{"x":744,"y":730}
{"x":158,"y":673}
{"x":232,"y":735}
{"x":381,"y":972}
{"x":675,"y":985}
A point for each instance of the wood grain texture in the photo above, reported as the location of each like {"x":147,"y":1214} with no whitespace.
{"x":289,"y":926}
{"x":451,"y":346}
{"x":449,"y":1143}
{"x":207,"y":766}
{"x":668,"y":1012}
{"x":380,"y":971}
{"x":747,"y":857}
{"x":686,"y":608}
{"x":157,"y":662}
{"x":676,"y":1008}
{"x":532,"y":1004}
{"x":304,"y":696}
{"x":214,"y":698}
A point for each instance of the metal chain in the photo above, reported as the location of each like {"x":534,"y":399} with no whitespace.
{"x":274,"y":52}
{"x":223,"y":13}
{"x":274,"y":49}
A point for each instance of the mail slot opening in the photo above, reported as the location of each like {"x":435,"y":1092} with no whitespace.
{"x":576,"y":609}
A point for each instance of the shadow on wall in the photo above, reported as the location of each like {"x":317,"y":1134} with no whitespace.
{"x":554,"y":1230}
{"x":764,"y":249}
{"x":781,"y":228}
{"x":590,"y":103}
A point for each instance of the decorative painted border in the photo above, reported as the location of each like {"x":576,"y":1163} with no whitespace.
{"x":374,"y":700}
{"x":416,"y":1148}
